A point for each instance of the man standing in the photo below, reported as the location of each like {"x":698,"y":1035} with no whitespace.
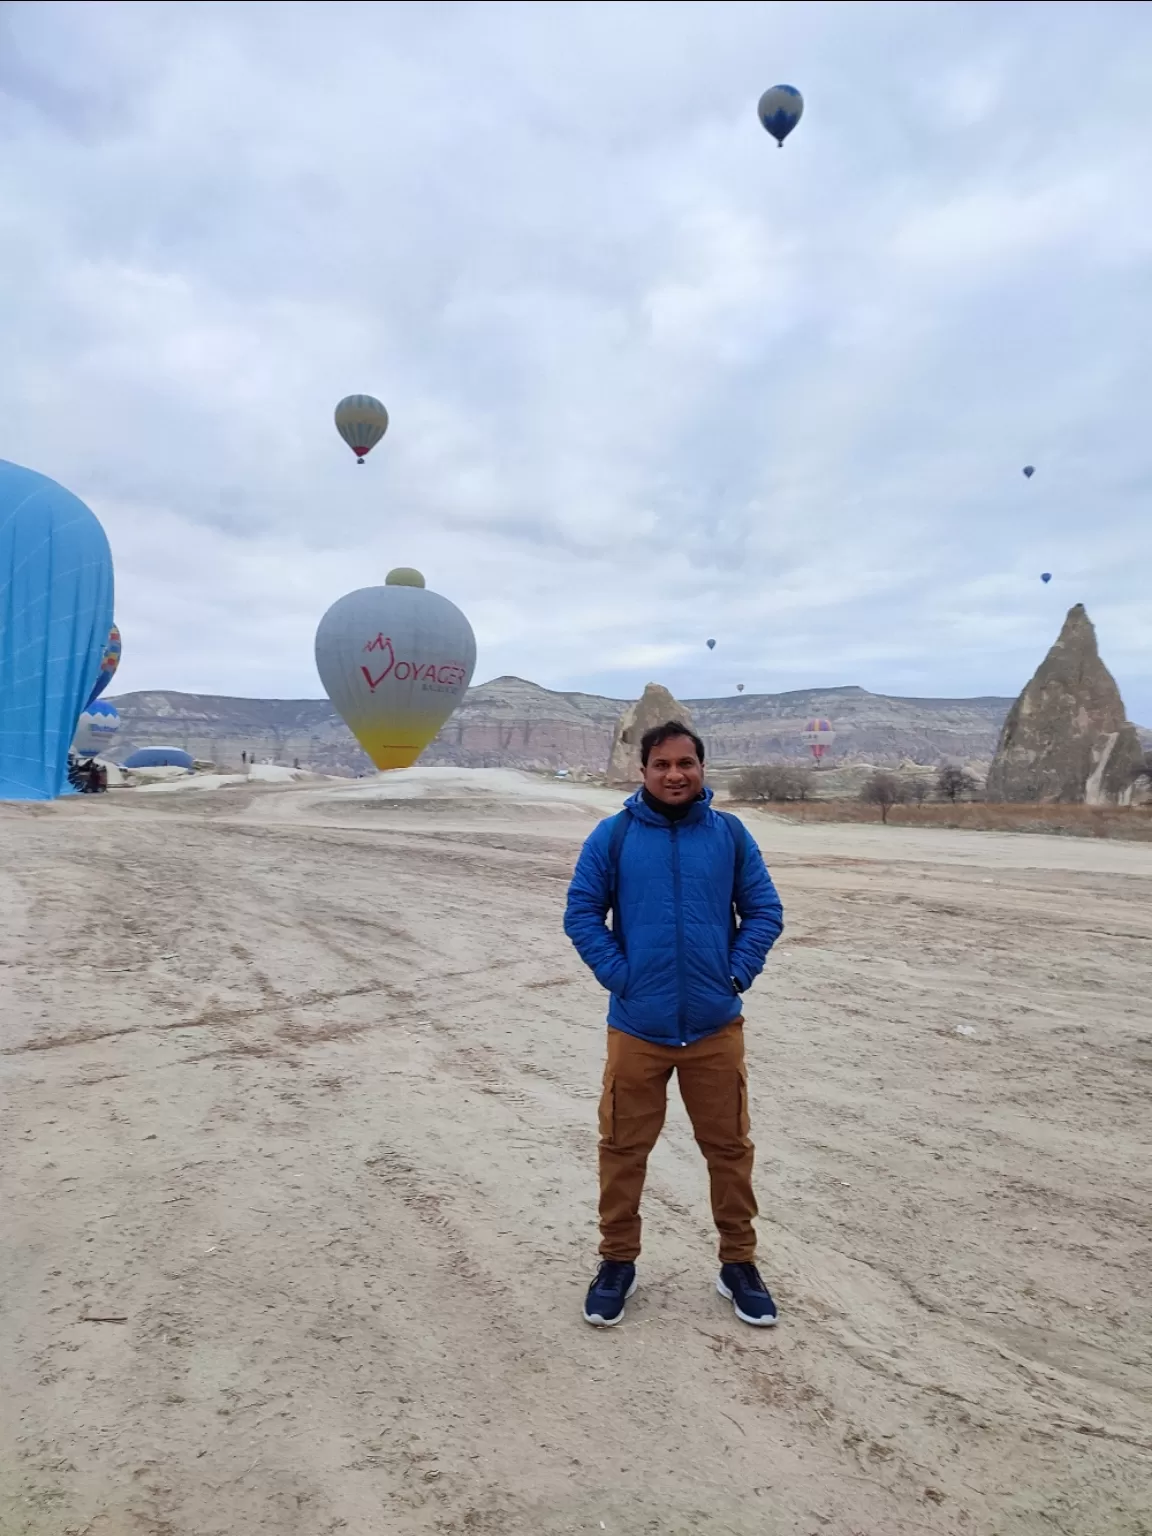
{"x":675,"y":876}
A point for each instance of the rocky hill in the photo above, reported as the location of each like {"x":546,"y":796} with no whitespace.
{"x":513,"y":723}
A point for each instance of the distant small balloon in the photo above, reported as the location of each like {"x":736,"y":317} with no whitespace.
{"x":780,"y":109}
{"x":1029,"y":471}
{"x":711,"y":645}
{"x":361,"y":421}
{"x":739,"y":687}
{"x":1045,"y":576}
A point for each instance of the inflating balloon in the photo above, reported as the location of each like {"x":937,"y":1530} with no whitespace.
{"x":361,"y":421}
{"x":55,"y":616}
{"x":780,"y":109}
{"x":108,"y":665}
{"x":711,"y":644}
{"x":1029,"y":471}
{"x":395,"y":660}
{"x":819,"y":736}
{"x":160,"y":757}
{"x":1045,"y":577}
{"x":96,"y":729}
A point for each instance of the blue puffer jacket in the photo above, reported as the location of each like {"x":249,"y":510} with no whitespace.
{"x":671,"y":966}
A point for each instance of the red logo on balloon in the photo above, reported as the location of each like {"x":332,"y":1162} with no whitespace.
{"x":451,"y":673}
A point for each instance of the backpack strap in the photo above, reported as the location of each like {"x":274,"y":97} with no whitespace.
{"x":620,"y":825}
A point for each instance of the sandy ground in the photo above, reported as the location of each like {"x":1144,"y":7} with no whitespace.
{"x":298,"y":1150}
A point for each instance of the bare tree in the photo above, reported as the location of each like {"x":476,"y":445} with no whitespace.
{"x":917,"y":789}
{"x":772,"y":782}
{"x":884,"y":790}
{"x":953,"y":782}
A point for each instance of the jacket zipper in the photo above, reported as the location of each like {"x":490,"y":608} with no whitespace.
{"x":681,"y":986}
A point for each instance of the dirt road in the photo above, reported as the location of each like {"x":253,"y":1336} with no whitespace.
{"x":298,"y":1153}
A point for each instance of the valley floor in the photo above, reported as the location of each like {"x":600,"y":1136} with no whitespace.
{"x":298,"y":1178}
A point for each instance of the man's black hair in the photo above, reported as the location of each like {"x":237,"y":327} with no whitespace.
{"x":659,"y":734}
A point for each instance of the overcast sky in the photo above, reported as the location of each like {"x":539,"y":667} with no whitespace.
{"x":650,"y":378}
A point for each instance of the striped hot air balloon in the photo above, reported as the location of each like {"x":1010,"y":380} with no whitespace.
{"x":361,"y":421}
{"x":819,"y":736}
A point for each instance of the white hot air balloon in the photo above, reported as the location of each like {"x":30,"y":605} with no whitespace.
{"x":96,"y":728}
{"x":361,"y":421}
{"x":395,"y":660}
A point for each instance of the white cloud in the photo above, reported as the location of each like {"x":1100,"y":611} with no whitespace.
{"x":650,"y":379}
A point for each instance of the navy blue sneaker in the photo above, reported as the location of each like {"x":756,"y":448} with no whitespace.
{"x":750,"y":1297}
{"x":604,"y":1305}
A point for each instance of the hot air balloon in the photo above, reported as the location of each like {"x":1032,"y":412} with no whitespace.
{"x":96,"y":729}
{"x":395,"y":660}
{"x":739,"y":687}
{"x":108,"y":665}
{"x":55,"y":617}
{"x":1029,"y":471}
{"x":361,"y":421}
{"x":780,"y":109}
{"x":711,"y":644}
{"x":1045,"y":577}
{"x":160,"y":757}
{"x":819,"y":735}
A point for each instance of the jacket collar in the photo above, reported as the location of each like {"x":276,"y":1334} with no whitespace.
{"x":635,"y":805}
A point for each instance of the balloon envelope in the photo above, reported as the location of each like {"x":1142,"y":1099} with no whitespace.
{"x":159,"y":757}
{"x":108,"y":664}
{"x":1046,"y":576}
{"x":361,"y":421}
{"x":780,"y":109}
{"x":55,"y":617}
{"x":96,"y":729}
{"x":1029,"y":471}
{"x":739,"y":687}
{"x":395,"y":660}
{"x":711,"y":644}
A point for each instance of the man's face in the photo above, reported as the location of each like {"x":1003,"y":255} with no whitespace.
{"x":674,"y":773}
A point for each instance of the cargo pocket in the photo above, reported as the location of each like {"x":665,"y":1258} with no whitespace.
{"x":744,"y":1120}
{"x":608,"y":1110}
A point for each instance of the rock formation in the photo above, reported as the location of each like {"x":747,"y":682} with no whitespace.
{"x":655,"y":707}
{"x":511,"y":723}
{"x":1066,"y":738}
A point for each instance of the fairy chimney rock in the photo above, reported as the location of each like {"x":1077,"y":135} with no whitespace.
{"x":655,"y":708}
{"x":1066,"y":738}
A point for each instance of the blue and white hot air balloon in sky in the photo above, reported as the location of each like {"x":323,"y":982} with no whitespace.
{"x":780,"y":109}
{"x":1045,"y":577}
{"x":55,"y":619}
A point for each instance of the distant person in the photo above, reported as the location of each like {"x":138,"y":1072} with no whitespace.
{"x":93,"y":777}
{"x":670,"y":870}
{"x":296,"y":762}
{"x":243,"y":759}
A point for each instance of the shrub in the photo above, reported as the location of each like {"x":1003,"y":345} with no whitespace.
{"x":884,"y":790}
{"x":778,"y":782}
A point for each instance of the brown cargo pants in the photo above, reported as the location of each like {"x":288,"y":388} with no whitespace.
{"x":714,"y":1087}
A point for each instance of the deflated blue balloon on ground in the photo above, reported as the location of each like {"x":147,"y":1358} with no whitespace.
{"x":159,"y":757}
{"x":780,"y":109}
{"x":55,"y":617}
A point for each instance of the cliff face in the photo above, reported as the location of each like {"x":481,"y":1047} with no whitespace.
{"x":513,"y":723}
{"x":1066,"y":738}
